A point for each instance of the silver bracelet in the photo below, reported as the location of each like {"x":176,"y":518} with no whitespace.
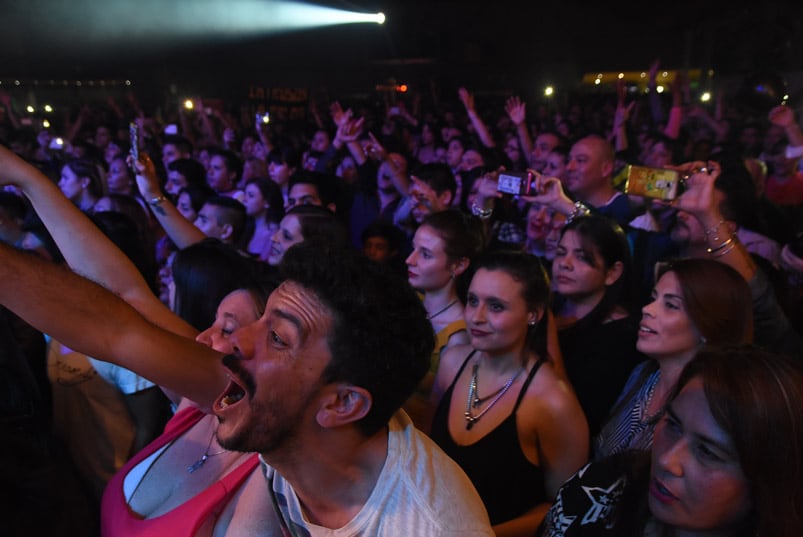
{"x":484,"y":214}
{"x":579,"y":210}
{"x":156,"y":202}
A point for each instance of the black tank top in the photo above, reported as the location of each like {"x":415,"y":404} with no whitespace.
{"x":508,"y":484}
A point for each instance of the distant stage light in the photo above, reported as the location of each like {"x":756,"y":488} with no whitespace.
{"x":48,"y":108}
{"x":30,"y":109}
{"x":46,"y":124}
{"x":705,"y":97}
{"x":549,"y":91}
{"x":156,"y":23}
{"x":188,"y":104}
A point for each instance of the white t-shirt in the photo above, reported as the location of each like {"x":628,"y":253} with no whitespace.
{"x":420,"y":492}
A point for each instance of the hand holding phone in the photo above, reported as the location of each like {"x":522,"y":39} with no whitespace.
{"x":656,"y":183}
{"x":133,"y":130}
{"x":516,"y":183}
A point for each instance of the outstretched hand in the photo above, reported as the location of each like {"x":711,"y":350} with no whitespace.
{"x":350,"y":130}
{"x":516,"y":110}
{"x":375,"y":149}
{"x":339,"y":116}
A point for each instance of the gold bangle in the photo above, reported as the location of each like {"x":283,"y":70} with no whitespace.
{"x":728,"y":250}
{"x":720,"y":246}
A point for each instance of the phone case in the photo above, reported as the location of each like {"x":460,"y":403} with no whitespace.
{"x":655,"y":183}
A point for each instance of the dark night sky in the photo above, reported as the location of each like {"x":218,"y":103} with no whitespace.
{"x":498,"y":44}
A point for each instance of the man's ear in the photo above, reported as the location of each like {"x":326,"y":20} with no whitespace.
{"x":332,"y":207}
{"x":445,"y":197}
{"x":226,"y":232}
{"x":614,"y":273}
{"x":344,"y":404}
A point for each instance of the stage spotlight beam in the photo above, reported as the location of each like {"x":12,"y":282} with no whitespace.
{"x":151,"y":23}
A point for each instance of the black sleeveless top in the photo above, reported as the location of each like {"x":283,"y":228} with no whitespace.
{"x":508,"y":484}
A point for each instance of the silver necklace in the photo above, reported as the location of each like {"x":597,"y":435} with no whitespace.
{"x":449,"y":305}
{"x":474,"y":400}
{"x":206,"y":456}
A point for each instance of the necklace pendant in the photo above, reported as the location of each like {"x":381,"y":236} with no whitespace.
{"x":477,"y":402}
{"x":197,"y":464}
{"x":470,"y":423}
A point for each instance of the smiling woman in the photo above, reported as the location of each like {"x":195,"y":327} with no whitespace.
{"x":686,"y":312}
{"x":708,"y":471}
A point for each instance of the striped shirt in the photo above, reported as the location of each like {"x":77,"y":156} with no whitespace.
{"x":629,"y":427}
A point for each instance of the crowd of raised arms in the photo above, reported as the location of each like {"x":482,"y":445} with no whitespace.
{"x":408,"y":316}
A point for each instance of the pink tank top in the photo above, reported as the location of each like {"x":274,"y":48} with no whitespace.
{"x":117,"y":518}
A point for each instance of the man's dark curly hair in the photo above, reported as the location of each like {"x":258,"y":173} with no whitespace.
{"x":380,"y":338}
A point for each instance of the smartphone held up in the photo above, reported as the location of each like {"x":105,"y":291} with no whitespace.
{"x":516,"y":183}
{"x":656,"y":183}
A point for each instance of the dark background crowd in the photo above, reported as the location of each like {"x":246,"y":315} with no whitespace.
{"x":205,"y":163}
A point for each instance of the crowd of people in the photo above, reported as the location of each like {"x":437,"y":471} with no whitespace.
{"x":406,"y":318}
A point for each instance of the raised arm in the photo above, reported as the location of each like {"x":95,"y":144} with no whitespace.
{"x":348,"y":132}
{"x":618,"y":134}
{"x":784,"y":117}
{"x":181,"y":231}
{"x":90,"y":319}
{"x":395,"y":163}
{"x":673,"y":123}
{"x":467,"y":98}
{"x":86,"y":249}
{"x":517,"y":112}
{"x":699,"y":200}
